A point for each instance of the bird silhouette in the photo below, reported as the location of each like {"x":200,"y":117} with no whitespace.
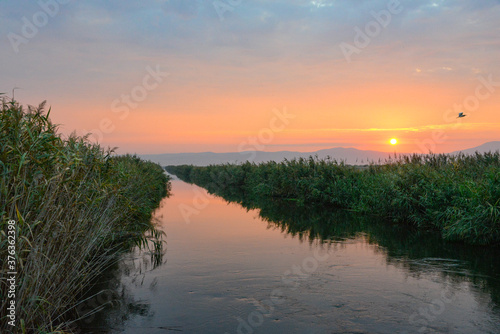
{"x":460,"y":115}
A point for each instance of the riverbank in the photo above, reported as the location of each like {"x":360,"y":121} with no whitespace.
{"x":68,"y":208}
{"x":459,"y":196}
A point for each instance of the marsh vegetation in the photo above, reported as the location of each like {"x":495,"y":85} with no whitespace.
{"x":76,"y":206}
{"x":458,"y":196}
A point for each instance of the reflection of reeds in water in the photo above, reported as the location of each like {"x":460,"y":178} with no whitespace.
{"x":418,"y":252}
{"x":459,"y":196}
{"x":76,"y":208}
{"x":111,"y":303}
{"x":411,"y":247}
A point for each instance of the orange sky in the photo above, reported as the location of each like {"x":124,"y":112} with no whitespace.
{"x":227,"y":76}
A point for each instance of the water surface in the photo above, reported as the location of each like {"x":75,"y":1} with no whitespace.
{"x":229,"y":270}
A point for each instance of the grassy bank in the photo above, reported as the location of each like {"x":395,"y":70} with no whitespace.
{"x":74,"y":208}
{"x":459,"y":196}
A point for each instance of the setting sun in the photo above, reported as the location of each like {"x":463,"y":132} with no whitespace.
{"x":393,"y":141}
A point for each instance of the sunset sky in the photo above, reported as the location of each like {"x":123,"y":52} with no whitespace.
{"x":351,"y":73}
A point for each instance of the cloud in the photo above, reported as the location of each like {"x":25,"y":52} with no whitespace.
{"x":95,"y":50}
{"x":299,"y":30}
{"x":448,"y":126}
{"x":186,"y":9}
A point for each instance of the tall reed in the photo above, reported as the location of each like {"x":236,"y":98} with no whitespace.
{"x":75,"y":207}
{"x":458,"y":195}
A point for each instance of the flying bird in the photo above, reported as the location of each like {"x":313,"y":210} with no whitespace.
{"x":460,"y":115}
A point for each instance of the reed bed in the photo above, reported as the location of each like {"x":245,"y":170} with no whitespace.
{"x":76,"y":207}
{"x":457,"y":195}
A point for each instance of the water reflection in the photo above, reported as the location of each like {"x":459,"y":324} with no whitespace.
{"x":416,"y":251}
{"x":225,"y":264}
{"x":111,"y":302}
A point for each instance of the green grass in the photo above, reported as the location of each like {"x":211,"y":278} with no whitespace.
{"x":459,"y":196}
{"x":76,"y":207}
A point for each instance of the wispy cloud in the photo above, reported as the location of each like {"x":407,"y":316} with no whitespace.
{"x":425,"y":128}
{"x":267,"y":52}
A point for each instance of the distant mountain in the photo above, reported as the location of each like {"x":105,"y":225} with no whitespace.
{"x":491,"y":146}
{"x":351,"y":156}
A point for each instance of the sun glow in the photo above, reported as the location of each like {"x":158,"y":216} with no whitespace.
{"x":393,"y":141}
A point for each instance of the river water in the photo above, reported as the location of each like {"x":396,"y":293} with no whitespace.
{"x":228,"y":270}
